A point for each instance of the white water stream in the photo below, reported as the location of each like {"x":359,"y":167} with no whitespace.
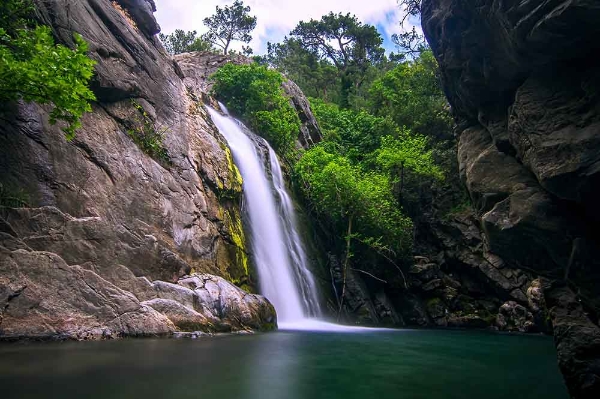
{"x":277,"y":248}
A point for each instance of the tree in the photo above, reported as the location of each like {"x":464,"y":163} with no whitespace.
{"x":34,"y":68}
{"x":184,"y":42}
{"x":411,"y":8}
{"x":410,"y":43}
{"x":411,"y":95}
{"x":229,"y":24}
{"x":345,"y":42}
{"x":316,"y":77}
{"x":359,"y":203}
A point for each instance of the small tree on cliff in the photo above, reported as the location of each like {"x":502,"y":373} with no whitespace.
{"x":412,"y":42}
{"x":183,"y":42}
{"x":230,"y":23}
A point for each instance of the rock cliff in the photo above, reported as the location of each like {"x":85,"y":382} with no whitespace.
{"x":523,"y":81}
{"x":109,"y":241}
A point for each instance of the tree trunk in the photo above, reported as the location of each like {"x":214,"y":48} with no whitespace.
{"x":346,"y":84}
{"x":401,"y":183}
{"x":345,"y":269}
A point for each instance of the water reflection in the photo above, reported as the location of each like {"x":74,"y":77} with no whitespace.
{"x":275,"y":369}
{"x":288,"y":365}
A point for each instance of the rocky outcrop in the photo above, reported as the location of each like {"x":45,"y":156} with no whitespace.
{"x":310,"y":132}
{"x":42,"y":296}
{"x":577,"y":341}
{"x":523,"y":81}
{"x":102,"y":218}
{"x":197,"y":67}
{"x":461,"y":283}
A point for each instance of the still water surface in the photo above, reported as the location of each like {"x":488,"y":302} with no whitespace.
{"x":406,"y":364}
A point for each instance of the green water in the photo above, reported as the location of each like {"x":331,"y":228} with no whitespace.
{"x":288,"y":365}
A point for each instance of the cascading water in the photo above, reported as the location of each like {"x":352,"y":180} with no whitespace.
{"x":278,"y":252}
{"x":293,"y":240}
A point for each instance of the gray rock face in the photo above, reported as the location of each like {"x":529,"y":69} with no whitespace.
{"x":104,"y":213}
{"x":42,"y":297}
{"x":577,"y":342}
{"x":197,"y":67}
{"x":463,"y":278}
{"x":57,"y":282}
{"x":310,"y":132}
{"x":523,"y":81}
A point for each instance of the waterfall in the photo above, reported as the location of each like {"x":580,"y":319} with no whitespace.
{"x":277,"y":249}
{"x":293,"y":240}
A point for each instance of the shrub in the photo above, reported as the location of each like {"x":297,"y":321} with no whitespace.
{"x":147,"y":137}
{"x":11,"y":198}
{"x":254,"y":93}
{"x":34,"y":68}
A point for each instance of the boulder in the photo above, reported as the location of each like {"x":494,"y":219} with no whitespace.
{"x":514,"y":317}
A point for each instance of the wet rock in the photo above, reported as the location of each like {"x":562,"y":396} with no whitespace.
{"x":216,"y":298}
{"x":577,"y":341}
{"x":467,"y":321}
{"x":436,"y":308}
{"x":432,"y":285}
{"x":514,"y":317}
{"x":414,"y":311}
{"x":537,"y":305}
{"x":142,"y":13}
{"x":310,"y":132}
{"x":197,"y":67}
{"x":184,"y":318}
{"x":425,"y":272}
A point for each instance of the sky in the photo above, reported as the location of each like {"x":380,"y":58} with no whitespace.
{"x":276,"y":18}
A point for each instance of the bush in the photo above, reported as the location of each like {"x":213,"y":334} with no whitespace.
{"x":34,"y":68}
{"x":11,"y":198}
{"x":147,"y":137}
{"x":254,"y":93}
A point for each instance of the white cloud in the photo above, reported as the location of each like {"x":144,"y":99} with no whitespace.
{"x":276,"y":18}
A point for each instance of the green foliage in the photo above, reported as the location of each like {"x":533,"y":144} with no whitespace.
{"x":351,"y":46}
{"x":342,"y":192}
{"x":317,"y":77}
{"x":355,"y":134}
{"x":230,"y":23}
{"x":364,"y":170}
{"x":254,"y":92}
{"x":34,"y":68}
{"x":15,"y":15}
{"x":11,"y":198}
{"x":411,"y":95}
{"x":407,"y":151}
{"x":184,"y":42}
{"x":147,"y":137}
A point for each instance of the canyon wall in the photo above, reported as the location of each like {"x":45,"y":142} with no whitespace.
{"x":523,"y":80}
